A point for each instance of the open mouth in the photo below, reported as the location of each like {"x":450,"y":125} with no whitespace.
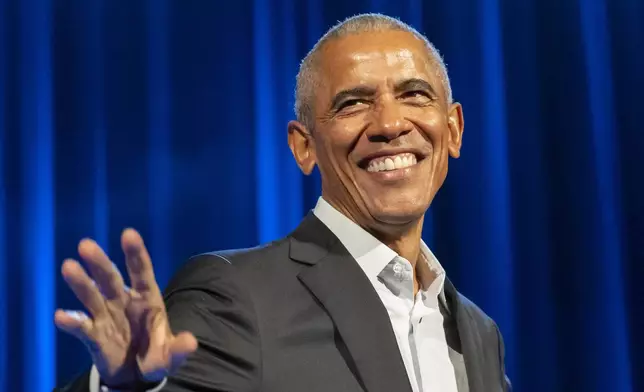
{"x":390,"y":162}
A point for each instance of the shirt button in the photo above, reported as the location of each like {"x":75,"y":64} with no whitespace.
{"x":399,"y":273}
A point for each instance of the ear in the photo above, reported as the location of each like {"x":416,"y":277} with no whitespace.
{"x":302,"y":146}
{"x":455,"y":124}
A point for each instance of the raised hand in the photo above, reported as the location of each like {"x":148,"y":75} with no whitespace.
{"x":126,"y":331}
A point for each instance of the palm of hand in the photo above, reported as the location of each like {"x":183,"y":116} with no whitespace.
{"x":128,"y":334}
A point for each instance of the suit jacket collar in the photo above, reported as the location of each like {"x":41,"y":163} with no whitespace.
{"x":371,"y":254}
{"x":337,"y":281}
{"x":470,"y":339}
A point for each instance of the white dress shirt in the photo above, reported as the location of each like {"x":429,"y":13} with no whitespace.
{"x":416,"y":320}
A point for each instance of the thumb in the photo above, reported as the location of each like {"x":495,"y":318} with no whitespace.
{"x":183,"y":343}
{"x":177,"y":351}
{"x":181,"y":347}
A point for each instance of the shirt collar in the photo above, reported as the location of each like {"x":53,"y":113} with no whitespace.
{"x":371,"y":254}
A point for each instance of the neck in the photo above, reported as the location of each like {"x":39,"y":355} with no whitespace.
{"x":403,"y":239}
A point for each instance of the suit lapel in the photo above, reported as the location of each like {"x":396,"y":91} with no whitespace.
{"x":337,"y":281}
{"x":471,"y":343}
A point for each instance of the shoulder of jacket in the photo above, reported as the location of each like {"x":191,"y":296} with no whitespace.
{"x":205,"y":270}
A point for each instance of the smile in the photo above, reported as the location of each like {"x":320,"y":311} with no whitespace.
{"x":391,"y":162}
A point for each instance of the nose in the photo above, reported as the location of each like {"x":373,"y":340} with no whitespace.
{"x":388,"y":123}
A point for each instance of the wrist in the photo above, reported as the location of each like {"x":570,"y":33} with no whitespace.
{"x":135,"y":384}
{"x":95,"y":385}
{"x":138,"y":386}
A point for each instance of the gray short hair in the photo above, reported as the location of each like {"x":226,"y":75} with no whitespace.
{"x":306,"y":80}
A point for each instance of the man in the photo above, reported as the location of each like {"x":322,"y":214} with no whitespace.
{"x":352,"y":300}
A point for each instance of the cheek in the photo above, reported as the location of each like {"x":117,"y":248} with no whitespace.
{"x":340,"y":140}
{"x":435,"y":129}
{"x":333,"y":148}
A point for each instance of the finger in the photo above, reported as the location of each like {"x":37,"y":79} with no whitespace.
{"x":164,"y":360}
{"x":84,"y":287}
{"x":183,"y":345}
{"x":105,"y":274}
{"x":79,"y":325}
{"x":139,"y":265}
{"x":75,"y":323}
{"x":153,"y":356}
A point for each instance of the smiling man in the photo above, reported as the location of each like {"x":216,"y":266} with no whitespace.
{"x":353,"y":299}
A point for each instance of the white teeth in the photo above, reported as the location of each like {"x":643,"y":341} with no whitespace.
{"x":394,"y":162}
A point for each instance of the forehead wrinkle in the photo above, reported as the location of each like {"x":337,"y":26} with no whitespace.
{"x":390,"y":56}
{"x":322,"y":67}
{"x":361,"y":73}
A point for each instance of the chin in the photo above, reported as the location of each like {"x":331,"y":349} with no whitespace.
{"x":398,"y":212}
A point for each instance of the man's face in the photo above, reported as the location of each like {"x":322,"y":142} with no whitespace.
{"x":383,"y":128}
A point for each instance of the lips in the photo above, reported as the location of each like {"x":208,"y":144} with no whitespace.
{"x":391,"y":162}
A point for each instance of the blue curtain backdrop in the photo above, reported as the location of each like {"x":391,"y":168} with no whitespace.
{"x":170,"y":116}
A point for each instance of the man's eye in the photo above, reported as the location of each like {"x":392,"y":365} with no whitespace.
{"x":350,"y":102}
{"x":415,"y":94}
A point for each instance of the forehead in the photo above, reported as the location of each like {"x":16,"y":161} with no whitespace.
{"x":374,"y":58}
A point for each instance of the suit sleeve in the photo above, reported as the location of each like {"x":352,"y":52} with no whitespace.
{"x":228,"y":357}
{"x":507,"y":385}
{"x":79,"y":384}
{"x":205,"y":299}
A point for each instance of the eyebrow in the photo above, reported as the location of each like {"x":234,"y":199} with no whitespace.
{"x":414,"y":84}
{"x":354,"y":92}
{"x":367,"y":91}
